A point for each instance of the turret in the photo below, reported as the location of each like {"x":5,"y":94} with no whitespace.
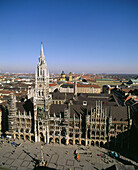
{"x":12,"y":114}
{"x":70,"y":76}
{"x":63,"y":76}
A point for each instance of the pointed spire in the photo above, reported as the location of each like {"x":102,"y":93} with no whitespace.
{"x":42,"y":53}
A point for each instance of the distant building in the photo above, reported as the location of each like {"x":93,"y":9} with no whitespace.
{"x":133,"y":81}
{"x":70,"y":76}
{"x":66,"y":88}
{"x":88,"y":88}
{"x":63,"y":76}
{"x":81,"y":88}
{"x":66,"y":78}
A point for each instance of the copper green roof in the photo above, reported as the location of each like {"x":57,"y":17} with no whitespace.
{"x":134,"y":80}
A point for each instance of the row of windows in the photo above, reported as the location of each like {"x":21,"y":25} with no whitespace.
{"x":58,"y":102}
{"x":23,"y":113}
{"x":22,"y":120}
{"x":22,"y":130}
{"x":119,"y":127}
{"x":41,"y":93}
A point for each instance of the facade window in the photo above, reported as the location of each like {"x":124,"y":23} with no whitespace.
{"x":22,"y":130}
{"x":84,"y":103}
{"x":51,"y":132}
{"x":98,"y":126}
{"x":77,"y":124}
{"x":97,"y":133}
{"x":42,"y":93}
{"x":71,"y":130}
{"x":102,"y":133}
{"x":51,"y":122}
{"x":77,"y":135}
{"x":38,"y":71}
{"x":125,"y":128}
{"x":40,"y":123}
{"x":71,"y":123}
{"x":71,"y":135}
{"x":51,"y":127}
{"x":27,"y":130}
{"x":77,"y":130}
{"x":93,"y":126}
{"x":56,"y":133}
{"x":93,"y":133}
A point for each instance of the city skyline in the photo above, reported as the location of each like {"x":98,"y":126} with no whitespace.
{"x":78,"y":36}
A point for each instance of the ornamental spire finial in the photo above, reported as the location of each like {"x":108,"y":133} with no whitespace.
{"x":42,"y":53}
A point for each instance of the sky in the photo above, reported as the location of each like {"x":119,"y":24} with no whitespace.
{"x":90,"y":36}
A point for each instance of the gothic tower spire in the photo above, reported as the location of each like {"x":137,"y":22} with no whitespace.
{"x":42,"y":82}
{"x":42,"y":52}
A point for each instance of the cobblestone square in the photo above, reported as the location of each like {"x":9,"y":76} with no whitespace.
{"x":59,"y":157}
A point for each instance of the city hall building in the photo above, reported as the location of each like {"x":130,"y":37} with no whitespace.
{"x":67,"y":118}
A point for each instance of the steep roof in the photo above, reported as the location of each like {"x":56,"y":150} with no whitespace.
{"x":119,"y":113}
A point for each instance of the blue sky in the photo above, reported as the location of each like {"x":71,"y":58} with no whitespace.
{"x":91,"y":36}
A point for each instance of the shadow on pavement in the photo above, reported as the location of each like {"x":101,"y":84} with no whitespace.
{"x":36,"y":161}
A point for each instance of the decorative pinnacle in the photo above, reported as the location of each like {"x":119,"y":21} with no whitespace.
{"x":41,"y":54}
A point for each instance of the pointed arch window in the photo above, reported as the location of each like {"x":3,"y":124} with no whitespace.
{"x":39,"y":93}
{"x":42,"y":93}
{"x":38,"y":71}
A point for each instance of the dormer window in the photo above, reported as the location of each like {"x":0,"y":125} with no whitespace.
{"x":84,"y":103}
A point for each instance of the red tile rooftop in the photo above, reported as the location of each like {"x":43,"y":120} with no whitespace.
{"x":126,"y":90}
{"x":6,"y":92}
{"x":97,"y":77}
{"x":128,"y":98}
{"x":53,"y":84}
{"x":68,"y":82}
{"x":86,"y":76}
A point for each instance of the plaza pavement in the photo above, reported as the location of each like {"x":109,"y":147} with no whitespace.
{"x":59,"y":157}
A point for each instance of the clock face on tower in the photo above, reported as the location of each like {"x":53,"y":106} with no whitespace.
{"x":40,"y":85}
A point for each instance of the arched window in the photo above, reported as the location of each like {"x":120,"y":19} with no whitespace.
{"x":93,"y":126}
{"x":39,"y":93}
{"x":42,"y":93}
{"x":38,"y":71}
{"x":98,"y":126}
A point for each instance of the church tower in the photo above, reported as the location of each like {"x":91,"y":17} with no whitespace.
{"x":43,"y":99}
